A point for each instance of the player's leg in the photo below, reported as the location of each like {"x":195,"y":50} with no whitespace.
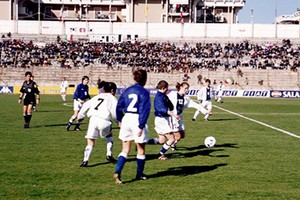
{"x":195,"y":115}
{"x":166,"y":146}
{"x":76,"y":108}
{"x":25,"y":115}
{"x":121,"y":161}
{"x":140,"y":160}
{"x":87,"y":152}
{"x":109,"y":148}
{"x":78,"y":123}
{"x":209,"y":109}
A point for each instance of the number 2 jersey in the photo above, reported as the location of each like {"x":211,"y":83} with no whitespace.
{"x":103,"y":106}
{"x":135,"y":99}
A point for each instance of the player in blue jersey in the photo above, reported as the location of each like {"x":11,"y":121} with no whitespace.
{"x":180,"y":102}
{"x":132,"y":112}
{"x":80,"y":96}
{"x":205,"y":96}
{"x":163,"y":108}
{"x":31,"y":95}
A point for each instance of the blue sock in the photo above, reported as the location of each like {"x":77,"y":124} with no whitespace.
{"x":120,"y":164}
{"x":140,"y":165}
{"x":164,"y":148}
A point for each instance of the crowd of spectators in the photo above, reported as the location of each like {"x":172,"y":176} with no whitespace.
{"x":158,"y":57}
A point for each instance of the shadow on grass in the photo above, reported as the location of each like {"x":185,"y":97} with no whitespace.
{"x":223,"y":119}
{"x":225,"y":145}
{"x":183,"y":171}
{"x":42,"y":111}
{"x":99,"y":164}
{"x":200,"y":150}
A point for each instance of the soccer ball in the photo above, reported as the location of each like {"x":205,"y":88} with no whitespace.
{"x":210,"y":141}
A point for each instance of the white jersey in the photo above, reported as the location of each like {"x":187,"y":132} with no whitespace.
{"x":220,"y":89}
{"x":63,"y":86}
{"x":187,"y":102}
{"x":205,"y":94}
{"x":103,"y":106}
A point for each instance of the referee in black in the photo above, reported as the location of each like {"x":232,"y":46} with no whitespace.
{"x":31,"y":95}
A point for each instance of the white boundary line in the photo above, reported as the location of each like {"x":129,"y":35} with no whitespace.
{"x":261,"y":123}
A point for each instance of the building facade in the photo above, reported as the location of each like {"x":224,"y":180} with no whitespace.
{"x":152,"y":11}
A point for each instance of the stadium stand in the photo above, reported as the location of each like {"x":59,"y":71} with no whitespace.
{"x":242,"y":65}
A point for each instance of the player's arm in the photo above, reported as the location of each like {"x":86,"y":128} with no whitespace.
{"x":113,"y":109}
{"x":37,"y":93}
{"x":84,"y":109}
{"x":20,"y":97}
{"x":144,"y":109}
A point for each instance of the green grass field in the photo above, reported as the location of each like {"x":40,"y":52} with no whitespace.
{"x":249,"y":161}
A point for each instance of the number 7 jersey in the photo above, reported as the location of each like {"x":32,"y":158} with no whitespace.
{"x":103,"y":106}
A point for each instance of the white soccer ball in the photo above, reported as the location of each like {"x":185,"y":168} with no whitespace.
{"x":210,"y":141}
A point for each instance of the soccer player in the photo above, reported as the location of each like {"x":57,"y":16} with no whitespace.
{"x":63,"y":88}
{"x":31,"y":95}
{"x":219,"y":92}
{"x":180,"y":102}
{"x":163,"y":110}
{"x":81,"y":95}
{"x":204,"y":96}
{"x":133,"y":110}
{"x":101,"y":109}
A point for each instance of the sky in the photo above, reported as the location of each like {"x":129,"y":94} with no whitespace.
{"x":264,"y":11}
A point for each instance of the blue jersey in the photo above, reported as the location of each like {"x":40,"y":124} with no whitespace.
{"x":82,"y":92}
{"x":179,"y":104}
{"x":135,"y":99}
{"x":208,"y":94}
{"x":162,"y":105}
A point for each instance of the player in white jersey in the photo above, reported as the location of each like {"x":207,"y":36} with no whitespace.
{"x":101,"y":109}
{"x":219,"y":93}
{"x":204,"y":96}
{"x":180,"y":102}
{"x":63,"y":88}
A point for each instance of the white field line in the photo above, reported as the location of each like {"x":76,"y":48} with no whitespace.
{"x":261,"y":123}
{"x":68,"y":104}
{"x":242,"y":116}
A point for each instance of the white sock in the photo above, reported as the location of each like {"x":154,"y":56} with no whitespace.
{"x":87,"y":152}
{"x":196,"y":114}
{"x":109,"y":146}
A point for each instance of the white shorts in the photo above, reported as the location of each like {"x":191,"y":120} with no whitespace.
{"x":98,"y":126}
{"x":177,"y":125}
{"x":129,"y":129}
{"x":207,"y":104}
{"x":77,"y":105}
{"x":63,"y":90}
{"x":162,"y":125}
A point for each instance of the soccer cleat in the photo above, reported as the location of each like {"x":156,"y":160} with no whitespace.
{"x":162,"y":157}
{"x":84,"y":164}
{"x":205,"y":119}
{"x":193,"y":119}
{"x":142,"y":177}
{"x":111,"y":159}
{"x":26,"y":125}
{"x":117,"y":178}
{"x":68,"y":127}
{"x":77,"y":129}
